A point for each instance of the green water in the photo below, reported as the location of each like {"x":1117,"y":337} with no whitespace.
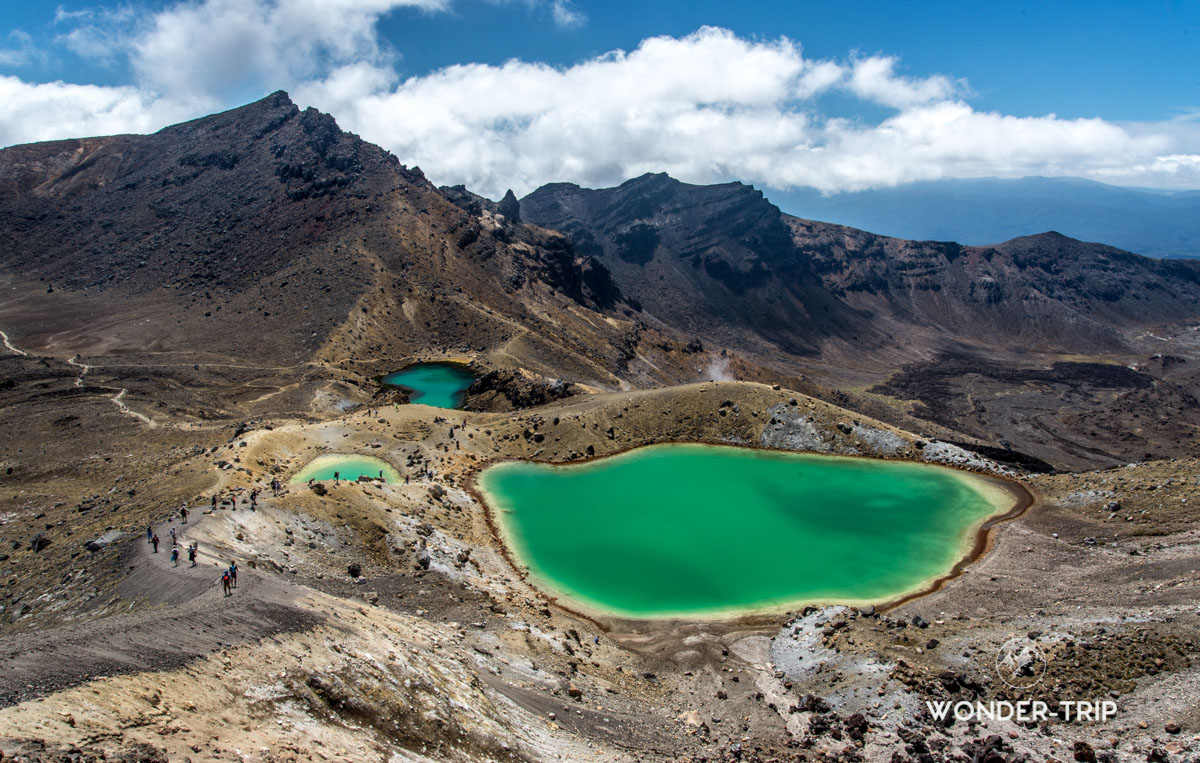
{"x":440,"y":385}
{"x":348,"y":467}
{"x":696,"y":529}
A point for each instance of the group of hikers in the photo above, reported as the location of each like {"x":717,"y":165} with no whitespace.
{"x":337,"y":479}
{"x":253,"y":502}
{"x":228,"y":575}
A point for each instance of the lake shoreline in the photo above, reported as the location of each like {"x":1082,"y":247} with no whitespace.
{"x":426,"y":390}
{"x":1016,"y":497}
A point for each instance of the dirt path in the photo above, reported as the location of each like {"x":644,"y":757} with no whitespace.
{"x":84,"y":368}
{"x":188,"y":617}
{"x":10,"y":346}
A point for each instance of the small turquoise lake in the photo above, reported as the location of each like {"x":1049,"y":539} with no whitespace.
{"x":440,"y":385}
{"x":348,"y":467}
{"x":699,"y":530}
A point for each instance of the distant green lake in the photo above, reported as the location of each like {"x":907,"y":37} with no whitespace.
{"x":348,"y":467}
{"x":440,"y":385}
{"x":695,"y":530}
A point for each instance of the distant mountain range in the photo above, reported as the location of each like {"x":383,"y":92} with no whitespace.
{"x":723,"y":261}
{"x":990,"y":210}
{"x":269,"y":220}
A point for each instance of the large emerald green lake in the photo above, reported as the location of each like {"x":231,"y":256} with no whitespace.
{"x":440,"y":385}
{"x":700,"y":530}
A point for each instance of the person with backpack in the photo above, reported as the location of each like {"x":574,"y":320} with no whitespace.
{"x":183,"y":513}
{"x":192,"y":555}
{"x":175,"y":556}
{"x":233,"y":573}
{"x":225,"y":582}
{"x":154,"y":542}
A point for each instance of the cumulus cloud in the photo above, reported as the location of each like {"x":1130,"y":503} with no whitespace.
{"x":711,"y":107}
{"x":45,"y":111}
{"x":875,"y":79}
{"x":192,"y":58}
{"x":706,"y":107}
{"x":222,"y":47}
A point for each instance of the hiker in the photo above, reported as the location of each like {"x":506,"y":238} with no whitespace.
{"x":225,"y":582}
{"x":192,"y":555}
{"x":149,"y":534}
{"x":214,"y":501}
{"x":381,"y":475}
{"x":233,"y":573}
{"x":233,"y":503}
{"x":154,"y":542}
{"x":253,"y":499}
{"x":337,"y":477}
{"x":173,"y":541}
{"x":175,"y":556}
{"x":183,"y":513}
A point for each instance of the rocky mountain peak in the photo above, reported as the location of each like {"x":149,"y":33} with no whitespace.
{"x":510,"y":207}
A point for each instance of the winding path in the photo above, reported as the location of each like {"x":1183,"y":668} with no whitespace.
{"x":84,"y":368}
{"x":9,"y":345}
{"x":116,"y":398}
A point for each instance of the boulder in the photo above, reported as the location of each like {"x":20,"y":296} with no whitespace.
{"x":102,"y":541}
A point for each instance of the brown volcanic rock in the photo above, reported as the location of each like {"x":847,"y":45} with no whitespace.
{"x":267,"y":233}
{"x":714,"y":260}
{"x":723,"y":259}
{"x":1046,"y":290}
{"x":510,"y":388}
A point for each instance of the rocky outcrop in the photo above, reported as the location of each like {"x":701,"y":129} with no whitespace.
{"x":717,"y":260}
{"x":723,"y":260}
{"x":509,"y":389}
{"x":510,"y":207}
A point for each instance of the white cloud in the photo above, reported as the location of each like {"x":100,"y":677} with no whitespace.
{"x":711,"y":107}
{"x":224,"y":47}
{"x":19,"y":50}
{"x":193,"y":58}
{"x":51,"y":110}
{"x":566,"y":14}
{"x":875,"y":79}
{"x":99,"y":35}
{"x":707,"y":107}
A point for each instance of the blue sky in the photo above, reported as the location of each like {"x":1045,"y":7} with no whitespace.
{"x":838,"y":96}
